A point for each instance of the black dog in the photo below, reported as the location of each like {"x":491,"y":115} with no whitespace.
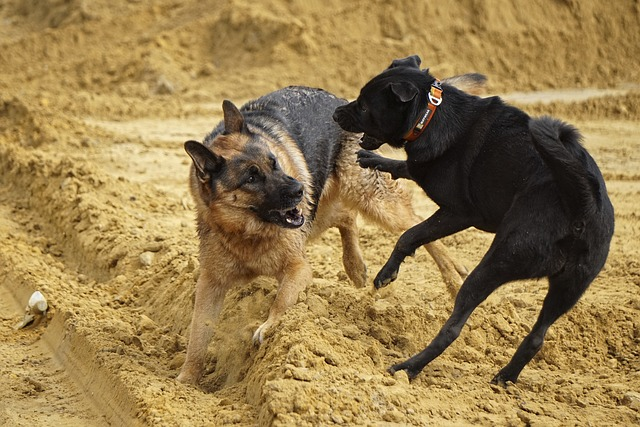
{"x":490,"y":166}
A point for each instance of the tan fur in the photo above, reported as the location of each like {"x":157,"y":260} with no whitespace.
{"x":472,"y":83}
{"x":387,"y":203}
{"x":236,"y":247}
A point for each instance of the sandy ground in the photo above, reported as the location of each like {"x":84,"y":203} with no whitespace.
{"x":96,"y":99}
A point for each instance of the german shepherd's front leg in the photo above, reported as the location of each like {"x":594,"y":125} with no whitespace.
{"x":294,"y":278}
{"x":208,"y":304}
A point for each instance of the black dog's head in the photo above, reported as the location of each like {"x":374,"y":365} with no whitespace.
{"x":388,"y":105}
{"x":239,"y":180}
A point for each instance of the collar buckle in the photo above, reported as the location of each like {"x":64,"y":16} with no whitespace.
{"x":435,"y":99}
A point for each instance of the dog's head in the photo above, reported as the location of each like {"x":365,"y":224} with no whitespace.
{"x":239,"y":176}
{"x":387,"y":105}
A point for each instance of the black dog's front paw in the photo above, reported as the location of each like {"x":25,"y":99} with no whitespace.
{"x":367,"y":159}
{"x":385,"y":276}
{"x":397,"y":168}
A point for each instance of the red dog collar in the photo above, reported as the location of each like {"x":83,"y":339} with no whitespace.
{"x":435,"y":99}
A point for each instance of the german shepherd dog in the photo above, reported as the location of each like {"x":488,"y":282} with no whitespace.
{"x":270,"y":176}
{"x":490,"y":166}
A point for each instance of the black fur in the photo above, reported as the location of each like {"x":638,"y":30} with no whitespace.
{"x":489,"y":165}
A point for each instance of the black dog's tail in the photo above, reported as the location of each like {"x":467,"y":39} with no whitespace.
{"x":559,"y":145}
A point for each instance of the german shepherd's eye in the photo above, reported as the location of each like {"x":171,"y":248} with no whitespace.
{"x":274,"y":163}
{"x":254,"y":175}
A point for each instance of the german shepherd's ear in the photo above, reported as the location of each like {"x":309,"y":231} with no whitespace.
{"x":404,"y":91}
{"x":206,"y":162}
{"x":413,"y":61}
{"x":233,"y":119}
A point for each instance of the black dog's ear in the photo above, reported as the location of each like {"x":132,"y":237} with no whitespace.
{"x":413,"y":61}
{"x":404,"y":91}
{"x":233,"y":119}
{"x":206,"y":162}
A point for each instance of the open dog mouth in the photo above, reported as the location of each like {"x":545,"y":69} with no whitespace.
{"x":287,"y":218}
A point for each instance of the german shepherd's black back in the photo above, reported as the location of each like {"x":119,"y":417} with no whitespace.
{"x":304,"y":114}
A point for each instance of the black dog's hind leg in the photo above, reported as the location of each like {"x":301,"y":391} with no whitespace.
{"x":437,"y":226}
{"x":397,"y":168}
{"x":509,"y":258}
{"x":564,"y":292}
{"x":479,"y":285}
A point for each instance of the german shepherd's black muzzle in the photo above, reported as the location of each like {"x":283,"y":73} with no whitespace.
{"x":282,"y":207}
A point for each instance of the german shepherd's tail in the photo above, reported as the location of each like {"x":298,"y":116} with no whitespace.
{"x":473,"y":83}
{"x":559,"y":145}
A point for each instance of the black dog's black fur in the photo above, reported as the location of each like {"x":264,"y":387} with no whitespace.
{"x":490,"y":166}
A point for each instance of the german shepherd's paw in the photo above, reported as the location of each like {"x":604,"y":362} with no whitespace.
{"x":358,"y":277}
{"x":186,"y":377}
{"x":355,"y":268}
{"x":260,"y":333}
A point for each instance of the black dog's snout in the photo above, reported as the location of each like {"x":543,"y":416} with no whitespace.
{"x":341,"y":114}
{"x":345,"y":118}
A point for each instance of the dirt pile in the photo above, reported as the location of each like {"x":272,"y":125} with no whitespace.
{"x":96,"y":99}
